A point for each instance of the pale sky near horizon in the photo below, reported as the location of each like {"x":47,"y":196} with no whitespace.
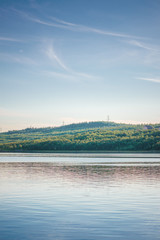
{"x":79,"y":60}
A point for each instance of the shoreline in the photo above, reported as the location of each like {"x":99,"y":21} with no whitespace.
{"x":83,"y":154}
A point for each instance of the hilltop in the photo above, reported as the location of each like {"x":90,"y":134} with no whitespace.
{"x":72,"y":127}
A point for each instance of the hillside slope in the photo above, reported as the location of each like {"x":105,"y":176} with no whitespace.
{"x":93,"y":136}
{"x":39,"y":133}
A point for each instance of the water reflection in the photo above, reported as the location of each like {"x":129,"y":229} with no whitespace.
{"x":81,"y":173}
{"x":40,"y":200}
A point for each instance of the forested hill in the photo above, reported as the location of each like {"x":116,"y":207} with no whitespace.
{"x":73,"y":127}
{"x":92,"y":136}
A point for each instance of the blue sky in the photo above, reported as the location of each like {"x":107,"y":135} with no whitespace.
{"x":73,"y":61}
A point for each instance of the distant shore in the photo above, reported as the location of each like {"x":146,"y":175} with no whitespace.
{"x":87,"y":154}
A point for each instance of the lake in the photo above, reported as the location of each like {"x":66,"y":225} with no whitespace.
{"x":79,"y":196}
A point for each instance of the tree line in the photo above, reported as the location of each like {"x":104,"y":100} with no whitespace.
{"x":94,"y":140}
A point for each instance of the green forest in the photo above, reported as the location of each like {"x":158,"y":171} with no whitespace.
{"x":88,"y":136}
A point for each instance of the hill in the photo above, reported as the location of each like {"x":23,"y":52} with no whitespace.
{"x":91,"y":136}
{"x":71,"y":127}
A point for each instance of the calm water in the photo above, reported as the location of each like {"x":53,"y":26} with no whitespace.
{"x":79,"y":197}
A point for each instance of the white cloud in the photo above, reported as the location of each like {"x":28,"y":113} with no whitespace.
{"x":54,"y":74}
{"x":74,"y":77}
{"x":149,"y":79}
{"x":72,"y":26}
{"x":52,"y":55}
{"x":144,"y":46}
{"x":147,"y":54}
{"x":71,"y":74}
{"x":9,"y":39}
{"x":17,"y":59}
{"x":82,"y":28}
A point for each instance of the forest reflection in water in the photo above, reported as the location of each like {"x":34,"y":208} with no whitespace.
{"x":40,"y":200}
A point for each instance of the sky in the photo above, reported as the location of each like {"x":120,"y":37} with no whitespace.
{"x":69,"y":61}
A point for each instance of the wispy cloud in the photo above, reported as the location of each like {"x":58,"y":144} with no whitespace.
{"x":144,"y":46}
{"x":37,"y":20}
{"x":17,"y":59}
{"x":58,"y":23}
{"x":85,"y":75}
{"x":146,"y":53}
{"x":65,"y":76}
{"x":83,"y":28}
{"x":71,"y":77}
{"x":69,"y":73}
{"x":52,"y":55}
{"x":9,"y":39}
{"x":155,"y":80}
